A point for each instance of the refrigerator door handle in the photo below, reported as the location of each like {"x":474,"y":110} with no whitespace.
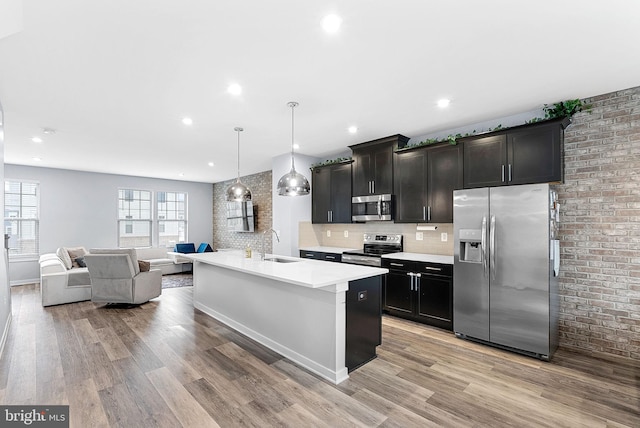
{"x":492,"y":245}
{"x":483,"y":238}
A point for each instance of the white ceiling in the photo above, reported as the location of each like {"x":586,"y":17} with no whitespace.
{"x":114,"y":78}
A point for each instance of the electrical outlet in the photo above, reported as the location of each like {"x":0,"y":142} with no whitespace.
{"x":444,"y":237}
{"x":419,"y":236}
{"x":328,"y":234}
{"x":346,"y":233}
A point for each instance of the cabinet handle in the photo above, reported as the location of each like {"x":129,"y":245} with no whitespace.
{"x":429,"y":213}
{"x":328,"y":216}
{"x":424,"y":212}
{"x":411,"y":274}
{"x":331,"y":213}
{"x":396,"y":264}
{"x":373,"y":186}
{"x":433,"y":268}
{"x":310,"y":256}
{"x":330,"y":257}
{"x":417,"y":281}
{"x":503,"y":173}
{"x":509,"y":172}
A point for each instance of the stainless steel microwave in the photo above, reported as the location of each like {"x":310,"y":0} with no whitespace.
{"x":372,"y":208}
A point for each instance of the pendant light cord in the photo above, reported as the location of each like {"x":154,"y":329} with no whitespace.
{"x":238,"y":129}
{"x":292,"y":104}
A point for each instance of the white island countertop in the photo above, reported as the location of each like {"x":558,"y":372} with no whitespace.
{"x":306,"y":273}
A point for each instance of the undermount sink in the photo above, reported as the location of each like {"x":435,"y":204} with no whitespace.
{"x":279,"y":260}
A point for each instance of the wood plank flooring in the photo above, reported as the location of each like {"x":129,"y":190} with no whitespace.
{"x":166,"y":364}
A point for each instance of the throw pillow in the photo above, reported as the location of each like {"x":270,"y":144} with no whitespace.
{"x":80,"y":262}
{"x":63,"y":255}
{"x":144,"y":265}
{"x":74,"y":253}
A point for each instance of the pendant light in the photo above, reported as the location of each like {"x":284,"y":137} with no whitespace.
{"x":238,"y":191}
{"x":293,"y":183}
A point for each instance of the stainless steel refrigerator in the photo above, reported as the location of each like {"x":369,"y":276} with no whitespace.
{"x":506,"y":261}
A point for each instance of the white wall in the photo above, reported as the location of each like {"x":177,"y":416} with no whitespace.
{"x":5,"y":292}
{"x":80,"y":209}
{"x":288,"y":211}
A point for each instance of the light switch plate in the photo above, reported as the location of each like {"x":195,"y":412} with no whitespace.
{"x":419,"y":236}
{"x":328,"y":234}
{"x":346,"y":233}
{"x":444,"y":237}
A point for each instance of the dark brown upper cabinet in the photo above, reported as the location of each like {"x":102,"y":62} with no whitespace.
{"x":331,"y":194}
{"x":425,"y":179}
{"x":372,"y":168}
{"x":521,"y":155}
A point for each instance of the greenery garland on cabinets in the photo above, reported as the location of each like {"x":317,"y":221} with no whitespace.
{"x":330,"y":162}
{"x":557,"y":110}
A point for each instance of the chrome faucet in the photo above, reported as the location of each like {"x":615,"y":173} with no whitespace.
{"x":263,"y":235}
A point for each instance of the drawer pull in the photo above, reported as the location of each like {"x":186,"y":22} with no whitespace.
{"x":396,"y":264}
{"x":433,"y":268}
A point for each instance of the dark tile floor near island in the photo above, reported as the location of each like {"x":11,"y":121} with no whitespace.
{"x":165,"y":364}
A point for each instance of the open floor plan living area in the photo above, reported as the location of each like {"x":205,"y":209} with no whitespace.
{"x":320,"y":214}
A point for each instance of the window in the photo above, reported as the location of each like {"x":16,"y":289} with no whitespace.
{"x":134,"y":218}
{"x":21,"y":217}
{"x":171,"y":218}
{"x":140,"y":226}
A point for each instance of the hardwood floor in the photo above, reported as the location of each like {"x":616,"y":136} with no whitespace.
{"x":166,"y":364}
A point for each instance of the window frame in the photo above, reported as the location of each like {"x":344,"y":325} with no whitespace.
{"x":127,"y":196}
{"x":165,"y":221}
{"x":32,"y":255}
{"x":157,"y":197}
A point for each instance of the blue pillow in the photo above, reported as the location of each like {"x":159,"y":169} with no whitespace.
{"x":185,"y":248}
{"x":205,"y":248}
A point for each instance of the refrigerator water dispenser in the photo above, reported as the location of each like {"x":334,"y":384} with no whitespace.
{"x":471,"y":245}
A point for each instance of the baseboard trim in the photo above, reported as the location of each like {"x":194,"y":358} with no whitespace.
{"x":24,"y":282}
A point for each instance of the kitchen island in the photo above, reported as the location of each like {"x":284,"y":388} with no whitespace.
{"x":295,"y":307}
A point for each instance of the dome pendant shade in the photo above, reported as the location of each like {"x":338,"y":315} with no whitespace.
{"x":238,"y":191}
{"x":293,"y":183}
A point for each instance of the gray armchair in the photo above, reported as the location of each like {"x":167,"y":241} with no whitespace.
{"x":116,"y":277}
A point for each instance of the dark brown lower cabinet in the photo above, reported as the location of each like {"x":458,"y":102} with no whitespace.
{"x":419,"y":291}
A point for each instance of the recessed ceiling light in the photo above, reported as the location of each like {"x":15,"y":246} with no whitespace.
{"x":37,"y":159}
{"x":48,"y":131}
{"x":211,"y":164}
{"x":444,"y":103}
{"x":331,"y":23}
{"x":353,"y":129}
{"x":181,"y":174}
{"x":296,"y":146}
{"x":36,"y":140}
{"x":234,"y":89}
{"x":187,"y":121}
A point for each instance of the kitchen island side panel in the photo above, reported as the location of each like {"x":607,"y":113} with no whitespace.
{"x":306,"y":325}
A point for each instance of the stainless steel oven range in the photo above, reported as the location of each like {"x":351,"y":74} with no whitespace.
{"x":375,"y":245}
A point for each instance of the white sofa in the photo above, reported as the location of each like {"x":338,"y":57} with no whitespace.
{"x":61,"y":285}
{"x":165,"y":260}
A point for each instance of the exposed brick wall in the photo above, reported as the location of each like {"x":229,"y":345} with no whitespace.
{"x":600,"y":228}
{"x":260,"y":186}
